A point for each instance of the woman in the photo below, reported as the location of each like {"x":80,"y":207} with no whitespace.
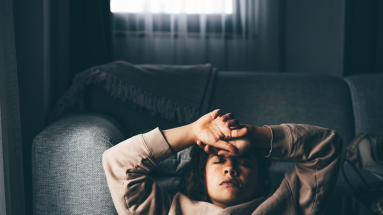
{"x":227,"y":177}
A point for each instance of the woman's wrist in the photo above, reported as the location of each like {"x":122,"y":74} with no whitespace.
{"x":180,"y":138}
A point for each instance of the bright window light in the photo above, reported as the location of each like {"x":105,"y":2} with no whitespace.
{"x":172,"y":6}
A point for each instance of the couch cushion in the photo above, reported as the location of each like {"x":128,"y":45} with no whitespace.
{"x":67,"y":173}
{"x":259,"y":99}
{"x":367,"y":99}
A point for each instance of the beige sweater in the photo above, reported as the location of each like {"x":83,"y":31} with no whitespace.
{"x":304,"y":190}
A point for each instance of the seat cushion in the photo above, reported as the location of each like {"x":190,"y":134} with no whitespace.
{"x":367,"y":99}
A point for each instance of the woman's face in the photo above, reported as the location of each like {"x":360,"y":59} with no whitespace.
{"x":231,"y":181}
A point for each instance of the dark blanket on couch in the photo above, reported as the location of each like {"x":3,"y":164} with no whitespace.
{"x":173,"y":91}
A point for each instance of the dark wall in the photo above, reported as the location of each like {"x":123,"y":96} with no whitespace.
{"x":314,"y":33}
{"x":54,"y":41}
{"x":32,"y":67}
{"x":363,"y":37}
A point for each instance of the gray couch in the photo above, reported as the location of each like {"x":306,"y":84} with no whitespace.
{"x":66,"y":157}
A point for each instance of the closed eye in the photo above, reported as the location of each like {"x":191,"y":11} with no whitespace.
{"x":245,"y":164}
{"x":218,"y":162}
{"x":218,"y":159}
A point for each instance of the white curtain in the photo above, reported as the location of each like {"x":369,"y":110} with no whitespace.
{"x":184,"y":34}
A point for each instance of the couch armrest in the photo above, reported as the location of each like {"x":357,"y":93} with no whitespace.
{"x":67,"y":173}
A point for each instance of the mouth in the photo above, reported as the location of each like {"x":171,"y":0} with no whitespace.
{"x":229,"y":183}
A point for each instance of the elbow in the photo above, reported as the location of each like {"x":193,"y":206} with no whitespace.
{"x":107,"y":164}
{"x":105,"y":159}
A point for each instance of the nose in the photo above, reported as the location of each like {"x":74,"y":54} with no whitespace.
{"x":229,"y":169}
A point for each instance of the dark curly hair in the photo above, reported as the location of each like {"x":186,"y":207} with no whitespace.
{"x":193,"y":177}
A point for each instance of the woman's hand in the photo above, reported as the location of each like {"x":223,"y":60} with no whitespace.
{"x":242,"y":144}
{"x":259,"y":137}
{"x":213,"y":130}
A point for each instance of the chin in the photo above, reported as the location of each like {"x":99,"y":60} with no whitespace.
{"x":231,"y":197}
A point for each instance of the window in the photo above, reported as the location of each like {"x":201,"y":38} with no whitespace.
{"x":220,"y":16}
{"x":187,"y":32}
{"x":172,"y":6}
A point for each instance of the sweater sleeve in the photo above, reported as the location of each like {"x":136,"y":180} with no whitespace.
{"x":126,"y":166}
{"x":316,"y":152}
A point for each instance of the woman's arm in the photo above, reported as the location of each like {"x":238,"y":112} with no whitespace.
{"x":317,"y":152}
{"x":126,"y":166}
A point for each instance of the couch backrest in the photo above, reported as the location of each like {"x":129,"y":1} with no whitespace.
{"x":273,"y":98}
{"x":255,"y":98}
{"x":367,"y":99}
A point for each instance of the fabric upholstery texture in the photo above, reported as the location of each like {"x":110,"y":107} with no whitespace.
{"x":67,"y":176}
{"x":274,"y":98}
{"x":367,"y":101}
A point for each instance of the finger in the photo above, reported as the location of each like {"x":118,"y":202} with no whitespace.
{"x":220,"y":144}
{"x":228,"y":154}
{"x":227,"y":116}
{"x":225,"y":153}
{"x":236,"y":133}
{"x":233,"y":123}
{"x":208,"y":149}
{"x":213,"y":150}
{"x":201,"y":144}
{"x":215,"y":113}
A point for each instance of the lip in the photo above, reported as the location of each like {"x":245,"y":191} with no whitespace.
{"x":229,"y":182}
